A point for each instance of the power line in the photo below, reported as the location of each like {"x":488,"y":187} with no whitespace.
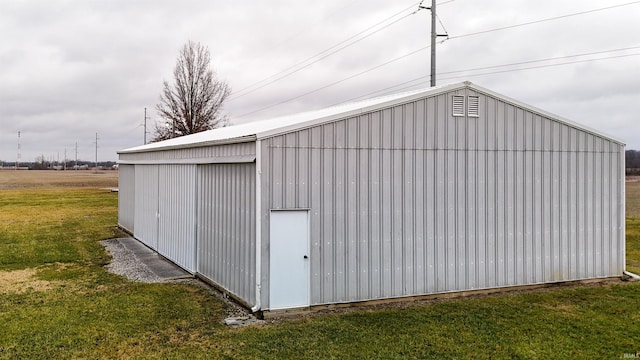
{"x":545,"y":66}
{"x":456,"y":71}
{"x":424,"y":48}
{"x":540,"y":21}
{"x":303,"y":64}
{"x":321,"y":55}
{"x":336,"y":82}
{"x":383,"y":91}
{"x":539,"y":60}
{"x":446,"y":78}
{"x":441,"y":24}
{"x":300,"y":33}
{"x":97,"y":151}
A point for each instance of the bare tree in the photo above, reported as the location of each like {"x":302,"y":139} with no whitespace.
{"x":194,"y":102}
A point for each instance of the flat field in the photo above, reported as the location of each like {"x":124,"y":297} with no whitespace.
{"x":633,"y":197}
{"x":50,"y":179}
{"x":57,"y":301}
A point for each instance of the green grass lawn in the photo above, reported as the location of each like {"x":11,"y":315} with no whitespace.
{"x":57,"y":301}
{"x":633,"y":245}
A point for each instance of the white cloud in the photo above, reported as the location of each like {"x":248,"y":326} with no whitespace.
{"x":69,"y":69}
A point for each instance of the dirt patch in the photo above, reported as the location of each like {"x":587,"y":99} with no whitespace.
{"x":21,"y":281}
{"x":564,"y":308}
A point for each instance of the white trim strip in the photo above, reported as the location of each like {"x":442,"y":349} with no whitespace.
{"x":197,"y":161}
{"x":258,"y":216}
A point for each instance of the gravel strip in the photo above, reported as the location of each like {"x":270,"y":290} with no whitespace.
{"x":125,"y":263}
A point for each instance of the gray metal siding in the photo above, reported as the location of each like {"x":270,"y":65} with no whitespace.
{"x":177,"y":214}
{"x":239,"y":149}
{"x":411,"y":200}
{"x":226,"y":227}
{"x":126,"y":197}
{"x":164,"y":215}
{"x":146,"y":205}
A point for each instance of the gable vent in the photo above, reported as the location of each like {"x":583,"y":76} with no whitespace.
{"x":473,"y":106}
{"x":458,"y":105}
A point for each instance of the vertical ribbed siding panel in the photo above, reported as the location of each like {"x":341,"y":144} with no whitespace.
{"x":146,"y":205}
{"x":226,"y":227}
{"x":490,"y":190}
{"x":411,"y":200}
{"x":177,"y":214}
{"x":340,"y":201}
{"x":126,"y":196}
{"x":352,"y":268}
{"x":411,"y":252}
{"x":362,"y":190}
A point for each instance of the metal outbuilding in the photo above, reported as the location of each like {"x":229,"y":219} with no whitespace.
{"x":448,"y":189}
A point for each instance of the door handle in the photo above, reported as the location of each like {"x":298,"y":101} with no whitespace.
{"x":306,"y":257}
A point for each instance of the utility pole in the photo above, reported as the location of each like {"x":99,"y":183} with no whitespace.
{"x":434,"y":36}
{"x":145,"y":126}
{"x":64,"y":167}
{"x":76,"y":166}
{"x":96,"y":152}
{"x":18,"y":156}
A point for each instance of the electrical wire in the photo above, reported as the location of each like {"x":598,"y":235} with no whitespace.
{"x":300,"y":33}
{"x":321,"y":55}
{"x":385,"y":92}
{"x":442,"y":25}
{"x":542,"y":66}
{"x":483,"y":68}
{"x":446,"y":78}
{"x":539,"y":60}
{"x":291,"y":70}
{"x":539,"y":21}
{"x":336,"y":82}
{"x":424,"y":48}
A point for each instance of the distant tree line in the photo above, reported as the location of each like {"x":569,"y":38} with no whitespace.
{"x":632,"y":158}
{"x":632,"y":161}
{"x":41,"y":164}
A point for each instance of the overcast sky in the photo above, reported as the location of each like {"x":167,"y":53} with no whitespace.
{"x":69,"y":69}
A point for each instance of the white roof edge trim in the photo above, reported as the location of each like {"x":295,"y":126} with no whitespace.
{"x":146,"y":148}
{"x":234,"y":159}
{"x":247,"y":132}
{"x":409,"y":97}
{"x":253,"y":131}
{"x":546,"y":113}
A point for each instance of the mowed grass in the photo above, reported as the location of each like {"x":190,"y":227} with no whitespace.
{"x":40,"y":227}
{"x":57,"y":301}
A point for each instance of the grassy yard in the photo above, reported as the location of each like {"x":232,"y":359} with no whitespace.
{"x":57,"y":301}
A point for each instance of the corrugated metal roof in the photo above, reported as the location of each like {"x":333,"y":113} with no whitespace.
{"x":264,"y":128}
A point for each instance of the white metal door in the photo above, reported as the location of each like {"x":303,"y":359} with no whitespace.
{"x":289,"y":259}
